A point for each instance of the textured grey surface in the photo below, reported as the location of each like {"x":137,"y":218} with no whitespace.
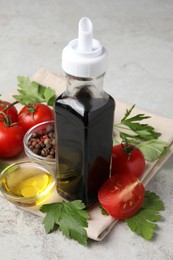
{"x":139,"y":37}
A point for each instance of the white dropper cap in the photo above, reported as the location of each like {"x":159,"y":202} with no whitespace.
{"x":85,"y":56}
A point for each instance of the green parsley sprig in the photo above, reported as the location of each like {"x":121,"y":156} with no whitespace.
{"x":32,"y":92}
{"x":144,"y":136}
{"x":70,"y":217}
{"x":144,"y":222}
{"x":138,"y":130}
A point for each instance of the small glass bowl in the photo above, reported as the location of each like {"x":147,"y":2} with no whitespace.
{"x":27,"y":183}
{"x":41,"y":127}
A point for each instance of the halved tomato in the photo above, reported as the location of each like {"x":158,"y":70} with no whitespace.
{"x":121,"y":196}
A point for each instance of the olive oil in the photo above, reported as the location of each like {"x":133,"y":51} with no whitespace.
{"x":27,"y":182}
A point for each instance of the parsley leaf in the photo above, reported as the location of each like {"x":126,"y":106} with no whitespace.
{"x":3,"y":165}
{"x":134,"y":128}
{"x":32,"y":92}
{"x":144,"y":136}
{"x":144,"y":221}
{"x":153,"y":149}
{"x":103,"y":211}
{"x":69,"y":216}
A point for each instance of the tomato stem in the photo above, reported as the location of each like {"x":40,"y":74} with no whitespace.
{"x":128,"y":148}
{"x":6,"y":119}
{"x":31,"y":107}
{"x":10,"y":105}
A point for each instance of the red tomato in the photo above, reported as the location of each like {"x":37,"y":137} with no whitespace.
{"x":11,"y":140}
{"x":122,"y":163}
{"x":121,"y":196}
{"x":11,"y":112}
{"x":30,"y":116}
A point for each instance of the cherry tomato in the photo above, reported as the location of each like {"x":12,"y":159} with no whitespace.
{"x":11,"y":112}
{"x":30,"y":116}
{"x":132,"y":163}
{"x":11,"y":140}
{"x":121,"y":196}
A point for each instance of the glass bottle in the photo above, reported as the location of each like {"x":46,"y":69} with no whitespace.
{"x":84,"y":122}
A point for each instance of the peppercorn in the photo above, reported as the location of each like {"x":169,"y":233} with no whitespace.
{"x":43,"y":142}
{"x":45,"y":152}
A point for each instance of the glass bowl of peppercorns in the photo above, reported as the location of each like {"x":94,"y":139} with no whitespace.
{"x":39,"y":143}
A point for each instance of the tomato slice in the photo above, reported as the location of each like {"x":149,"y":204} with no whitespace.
{"x":121,"y":196}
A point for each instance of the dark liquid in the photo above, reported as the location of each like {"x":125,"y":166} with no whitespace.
{"x":84,"y":137}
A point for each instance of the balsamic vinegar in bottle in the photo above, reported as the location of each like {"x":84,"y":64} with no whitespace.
{"x":84,"y":116}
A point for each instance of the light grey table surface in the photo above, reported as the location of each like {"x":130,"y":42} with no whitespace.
{"x":139,"y":37}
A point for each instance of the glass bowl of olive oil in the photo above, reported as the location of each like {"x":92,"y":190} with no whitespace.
{"x":27,"y":183}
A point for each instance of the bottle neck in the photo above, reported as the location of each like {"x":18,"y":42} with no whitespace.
{"x":92,"y":87}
